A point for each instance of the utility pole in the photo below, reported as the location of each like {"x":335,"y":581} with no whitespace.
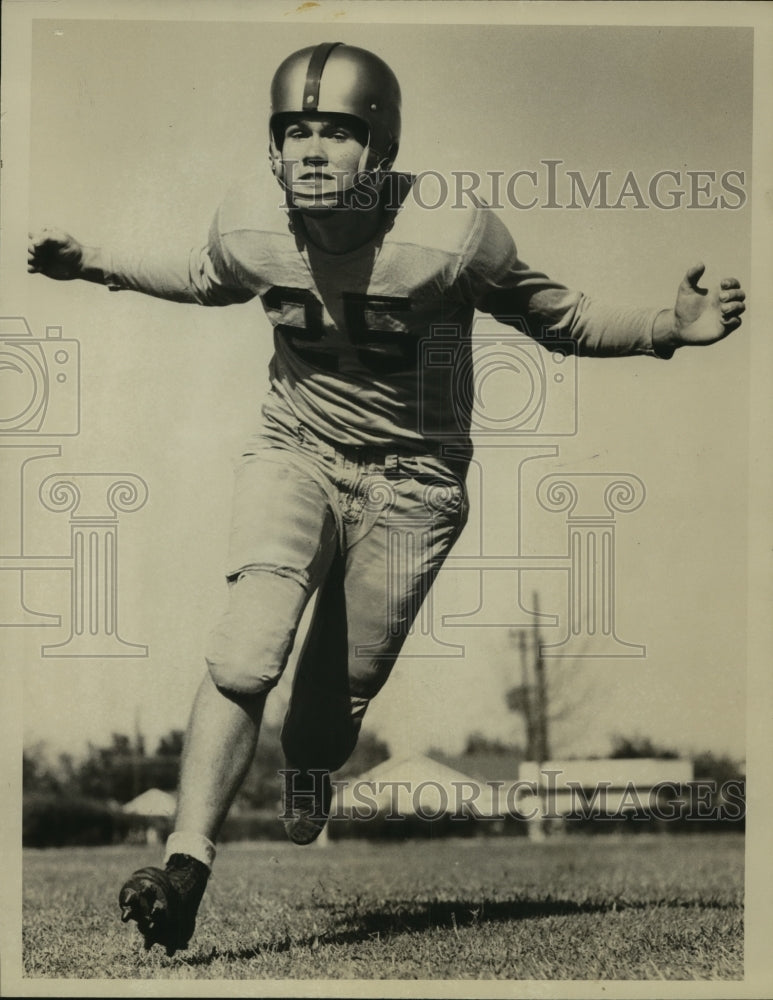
{"x":137,"y":755}
{"x":531,"y":699}
{"x":522,"y":699}
{"x":540,"y":694}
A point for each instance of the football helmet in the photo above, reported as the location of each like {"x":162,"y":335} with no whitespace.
{"x":334,"y":78}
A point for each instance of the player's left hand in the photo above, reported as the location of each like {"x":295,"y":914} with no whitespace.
{"x":706,"y":315}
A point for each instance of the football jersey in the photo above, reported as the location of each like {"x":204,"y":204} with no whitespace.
{"x":373,"y":347}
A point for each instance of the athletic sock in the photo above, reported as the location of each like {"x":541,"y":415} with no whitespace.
{"x":195,"y":845}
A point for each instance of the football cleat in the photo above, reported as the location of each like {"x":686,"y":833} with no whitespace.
{"x":164,"y":902}
{"x":306,"y":797}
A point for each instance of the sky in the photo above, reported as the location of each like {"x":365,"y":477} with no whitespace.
{"x":136,"y":129}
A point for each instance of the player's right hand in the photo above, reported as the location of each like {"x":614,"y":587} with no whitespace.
{"x":54,"y":253}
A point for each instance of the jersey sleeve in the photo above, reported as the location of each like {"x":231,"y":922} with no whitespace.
{"x":208,"y":276}
{"x":499,"y":283}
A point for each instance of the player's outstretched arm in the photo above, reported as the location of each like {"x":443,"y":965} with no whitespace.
{"x":60,"y":256}
{"x":701,"y":315}
{"x":191,"y":277}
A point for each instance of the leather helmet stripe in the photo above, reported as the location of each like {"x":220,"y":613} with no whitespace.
{"x":314,"y":75}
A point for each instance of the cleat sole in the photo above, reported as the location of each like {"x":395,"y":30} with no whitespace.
{"x":162,"y":915}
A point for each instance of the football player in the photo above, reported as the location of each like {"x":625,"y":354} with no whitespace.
{"x":352,"y":487}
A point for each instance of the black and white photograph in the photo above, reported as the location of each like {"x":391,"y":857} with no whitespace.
{"x":384,"y":565}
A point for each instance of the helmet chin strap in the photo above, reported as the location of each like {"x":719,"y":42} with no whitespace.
{"x":356,"y":196}
{"x":359,"y":194}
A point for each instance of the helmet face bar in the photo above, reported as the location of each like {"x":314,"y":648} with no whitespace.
{"x":333,"y":78}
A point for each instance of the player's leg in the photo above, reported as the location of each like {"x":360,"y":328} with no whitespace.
{"x":284,"y":539}
{"x":365,"y":611}
{"x":318,"y":733}
{"x":246,"y":656}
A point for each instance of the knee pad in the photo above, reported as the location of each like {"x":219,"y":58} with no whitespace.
{"x":247,"y":664}
{"x":248,"y":649}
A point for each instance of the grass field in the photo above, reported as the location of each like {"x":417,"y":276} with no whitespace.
{"x":663,"y":907}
